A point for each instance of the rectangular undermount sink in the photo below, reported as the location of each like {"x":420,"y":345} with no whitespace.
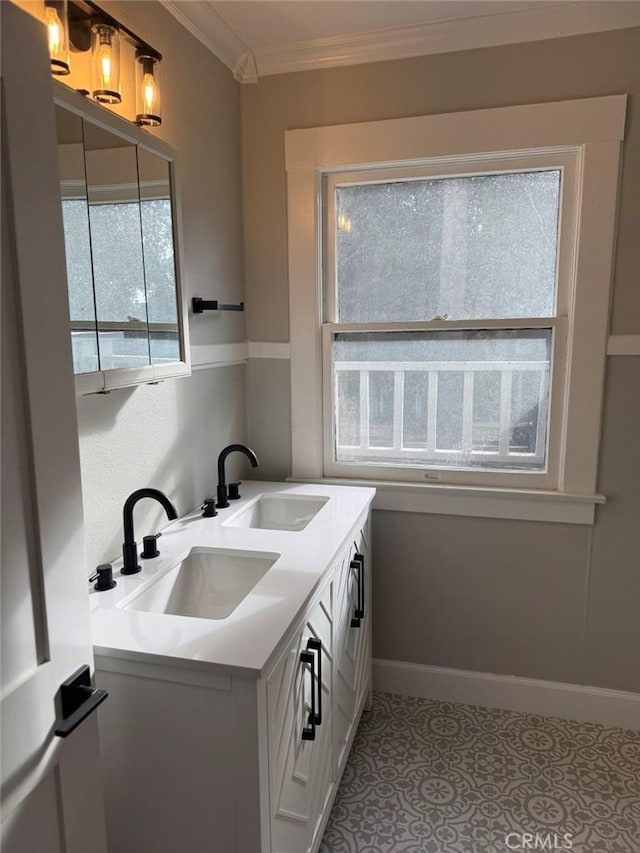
{"x":279,"y":512}
{"x":208,"y":583}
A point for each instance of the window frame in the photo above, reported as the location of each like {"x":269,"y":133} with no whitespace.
{"x":593,"y":130}
{"x":563,"y":160}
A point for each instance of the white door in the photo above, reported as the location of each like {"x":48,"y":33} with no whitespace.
{"x":51,"y":789}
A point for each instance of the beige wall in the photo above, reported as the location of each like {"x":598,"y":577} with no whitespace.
{"x":559,"y":69}
{"x":540,"y":600}
{"x":168,"y":435}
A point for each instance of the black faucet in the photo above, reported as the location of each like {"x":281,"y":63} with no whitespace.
{"x":222,"y":480}
{"x":130,"y":548}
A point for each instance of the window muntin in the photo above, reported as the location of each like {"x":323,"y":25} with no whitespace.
{"x":461,"y":201}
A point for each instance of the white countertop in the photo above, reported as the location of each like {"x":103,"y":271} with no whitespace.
{"x":244,"y":641}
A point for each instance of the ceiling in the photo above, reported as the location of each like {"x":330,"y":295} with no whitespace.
{"x":261,"y":37}
{"x":261,"y":24}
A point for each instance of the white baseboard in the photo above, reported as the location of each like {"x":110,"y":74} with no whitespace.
{"x":550,"y":698}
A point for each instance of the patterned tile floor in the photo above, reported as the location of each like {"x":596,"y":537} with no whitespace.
{"x":436,"y":777}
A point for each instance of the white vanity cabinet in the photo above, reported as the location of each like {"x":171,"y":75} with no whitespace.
{"x":304,"y":774}
{"x":213,"y":759}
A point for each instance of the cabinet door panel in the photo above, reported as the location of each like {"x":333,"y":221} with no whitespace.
{"x":352,"y":645}
{"x":363,"y":669}
{"x":301,"y":771}
{"x":346,"y":637}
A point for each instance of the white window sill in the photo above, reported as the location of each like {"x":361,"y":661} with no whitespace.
{"x":476,"y":501}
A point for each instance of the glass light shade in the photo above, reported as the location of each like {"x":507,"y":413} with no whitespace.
{"x":148,"y":112}
{"x":57,"y":23}
{"x":105,"y":62}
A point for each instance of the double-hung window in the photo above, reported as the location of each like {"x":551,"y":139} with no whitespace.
{"x":446,"y":302}
{"x":449,"y":290}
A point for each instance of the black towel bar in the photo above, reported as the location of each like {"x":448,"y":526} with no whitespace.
{"x":199,"y":305}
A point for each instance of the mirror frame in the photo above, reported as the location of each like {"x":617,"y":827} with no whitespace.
{"x":103,"y":381}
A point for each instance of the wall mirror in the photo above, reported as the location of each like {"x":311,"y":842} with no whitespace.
{"x":120,"y":216}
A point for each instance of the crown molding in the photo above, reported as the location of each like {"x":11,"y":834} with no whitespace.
{"x":534,"y":24}
{"x":202,"y":21}
{"x":514,"y":27}
{"x":245,"y":69}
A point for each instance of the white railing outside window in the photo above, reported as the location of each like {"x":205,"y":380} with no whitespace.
{"x":512,"y":436}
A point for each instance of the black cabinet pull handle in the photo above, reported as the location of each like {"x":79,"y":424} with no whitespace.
{"x":357,"y":564}
{"x":316,"y":646}
{"x":360,"y":558}
{"x":354,"y":565}
{"x":79,"y":699}
{"x":309,"y":731}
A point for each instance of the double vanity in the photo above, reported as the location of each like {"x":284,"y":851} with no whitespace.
{"x":238,"y":665}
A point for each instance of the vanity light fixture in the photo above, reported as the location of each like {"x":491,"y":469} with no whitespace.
{"x":105,"y":63}
{"x":80,"y":25}
{"x":57,"y":23}
{"x":148,"y":111}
